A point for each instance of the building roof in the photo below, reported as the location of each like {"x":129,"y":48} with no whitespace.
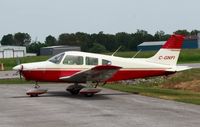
{"x":3,"y":47}
{"x":61,"y":46}
{"x":152,"y":43}
{"x":191,"y":37}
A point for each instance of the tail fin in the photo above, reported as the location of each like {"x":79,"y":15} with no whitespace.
{"x":169,"y":52}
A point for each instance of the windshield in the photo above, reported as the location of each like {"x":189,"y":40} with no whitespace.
{"x":56,"y":59}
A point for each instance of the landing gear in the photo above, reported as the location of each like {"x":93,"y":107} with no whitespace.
{"x":86,"y":91}
{"x":34,"y":92}
{"x":89,"y":95}
{"x":33,"y":95}
{"x":36,"y":85}
{"x":74,"y":89}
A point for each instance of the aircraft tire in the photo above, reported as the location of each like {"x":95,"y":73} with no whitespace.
{"x":33,"y":95}
{"x":74,"y":90}
{"x":89,"y":95}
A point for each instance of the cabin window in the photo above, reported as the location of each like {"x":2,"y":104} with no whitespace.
{"x":73,"y":60}
{"x":106,"y":62}
{"x":91,"y":61}
{"x":56,"y":59}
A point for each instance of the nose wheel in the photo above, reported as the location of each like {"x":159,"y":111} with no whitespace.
{"x":36,"y":85}
{"x":34,"y":92}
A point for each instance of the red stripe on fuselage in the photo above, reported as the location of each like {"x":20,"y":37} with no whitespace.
{"x":54,"y":75}
{"x":47,"y":75}
{"x":134,"y":74}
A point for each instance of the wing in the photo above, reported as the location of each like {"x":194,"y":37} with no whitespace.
{"x":98,"y":73}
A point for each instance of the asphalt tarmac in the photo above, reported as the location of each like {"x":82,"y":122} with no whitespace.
{"x":109,"y":108}
{"x":9,"y":74}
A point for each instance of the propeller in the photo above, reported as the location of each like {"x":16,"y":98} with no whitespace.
{"x":19,"y":68}
{"x":20,"y":71}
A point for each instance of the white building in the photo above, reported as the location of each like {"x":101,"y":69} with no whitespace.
{"x":12,"y":51}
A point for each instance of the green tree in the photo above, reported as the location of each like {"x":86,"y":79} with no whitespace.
{"x":22,"y":39}
{"x":159,"y":35}
{"x":67,"y":39}
{"x":123,"y":39}
{"x":139,"y":37}
{"x":87,"y":45}
{"x":35,"y":47}
{"x":182,"y":32}
{"x":194,"y":32}
{"x":97,"y":48}
{"x":111,"y":44}
{"x":83,"y":40}
{"x":8,"y":40}
{"x":50,"y":40}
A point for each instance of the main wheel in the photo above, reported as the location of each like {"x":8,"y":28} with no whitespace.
{"x":33,"y":95}
{"x":74,"y":92}
{"x":74,"y":89}
{"x":89,"y":94}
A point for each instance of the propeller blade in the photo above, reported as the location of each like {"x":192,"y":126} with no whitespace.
{"x":20,"y":71}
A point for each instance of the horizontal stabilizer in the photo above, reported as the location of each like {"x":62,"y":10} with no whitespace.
{"x":179,"y":68}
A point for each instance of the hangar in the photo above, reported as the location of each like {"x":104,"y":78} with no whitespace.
{"x":53,"y":50}
{"x":190,"y":42}
{"x":12,"y":51}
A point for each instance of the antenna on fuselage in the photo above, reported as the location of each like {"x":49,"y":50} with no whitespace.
{"x":137,"y":53}
{"x":116,"y":51}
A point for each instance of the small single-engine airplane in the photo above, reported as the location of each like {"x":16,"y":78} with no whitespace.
{"x":90,"y":68}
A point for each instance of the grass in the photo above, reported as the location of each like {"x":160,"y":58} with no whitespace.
{"x":15,"y":81}
{"x":158,"y":92}
{"x":9,"y":63}
{"x":188,"y":75}
{"x":159,"y":88}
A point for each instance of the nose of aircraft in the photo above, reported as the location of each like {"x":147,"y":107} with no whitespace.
{"x":18,"y":67}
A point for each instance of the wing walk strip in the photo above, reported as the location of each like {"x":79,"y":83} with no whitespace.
{"x":98,"y":73}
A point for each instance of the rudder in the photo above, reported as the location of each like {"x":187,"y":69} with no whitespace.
{"x":169,"y":52}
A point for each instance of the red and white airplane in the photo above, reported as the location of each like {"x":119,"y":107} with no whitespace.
{"x":81,"y":67}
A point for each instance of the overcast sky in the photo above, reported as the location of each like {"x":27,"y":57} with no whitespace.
{"x":41,"y":18}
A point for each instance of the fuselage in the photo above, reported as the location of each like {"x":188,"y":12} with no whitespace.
{"x":69,"y":63}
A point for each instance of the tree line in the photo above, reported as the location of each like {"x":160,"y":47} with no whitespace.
{"x":96,"y":42}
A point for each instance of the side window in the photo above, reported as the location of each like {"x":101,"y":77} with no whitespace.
{"x":73,"y":60}
{"x":106,"y":62}
{"x":91,"y":61}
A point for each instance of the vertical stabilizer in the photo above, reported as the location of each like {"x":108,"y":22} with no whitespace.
{"x":169,"y":52}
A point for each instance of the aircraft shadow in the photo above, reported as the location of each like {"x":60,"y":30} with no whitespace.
{"x":100,"y":96}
